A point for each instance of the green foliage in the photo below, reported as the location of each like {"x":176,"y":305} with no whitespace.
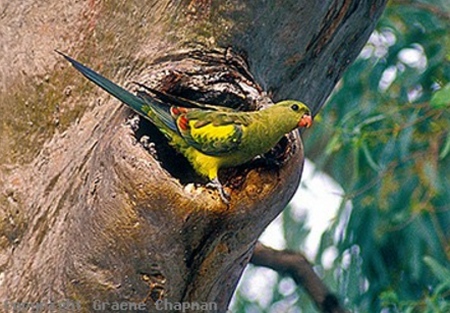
{"x":441,"y":98}
{"x":384,"y":136}
{"x":389,"y":120}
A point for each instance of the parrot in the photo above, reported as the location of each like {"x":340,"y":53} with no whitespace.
{"x":209,"y":136}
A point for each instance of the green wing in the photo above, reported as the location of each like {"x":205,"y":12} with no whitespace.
{"x":213,"y":133}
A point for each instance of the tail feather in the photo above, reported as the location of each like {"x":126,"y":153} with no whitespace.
{"x":161,"y":110}
{"x":123,"y":95}
{"x":146,"y":106}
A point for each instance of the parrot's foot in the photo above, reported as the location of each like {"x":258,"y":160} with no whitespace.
{"x":215,"y":183}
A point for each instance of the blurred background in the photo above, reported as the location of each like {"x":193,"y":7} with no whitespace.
{"x":373,"y":210}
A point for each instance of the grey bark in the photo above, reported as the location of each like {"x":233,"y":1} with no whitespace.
{"x":86,"y":213}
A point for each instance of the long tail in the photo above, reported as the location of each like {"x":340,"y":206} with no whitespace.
{"x":148,"y":108}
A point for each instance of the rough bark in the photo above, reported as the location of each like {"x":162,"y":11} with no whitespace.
{"x":87,"y":214}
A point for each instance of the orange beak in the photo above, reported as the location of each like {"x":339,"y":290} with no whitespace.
{"x":305,"y":121}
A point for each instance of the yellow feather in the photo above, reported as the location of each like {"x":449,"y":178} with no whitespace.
{"x":205,"y":165}
{"x":210,"y":131}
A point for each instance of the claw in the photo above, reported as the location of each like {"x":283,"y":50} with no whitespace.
{"x":215,"y":183}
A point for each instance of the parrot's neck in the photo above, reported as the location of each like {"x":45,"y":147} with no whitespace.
{"x":277,"y":122}
{"x":269,"y":128}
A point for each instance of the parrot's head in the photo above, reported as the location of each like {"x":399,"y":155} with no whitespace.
{"x":294,"y":113}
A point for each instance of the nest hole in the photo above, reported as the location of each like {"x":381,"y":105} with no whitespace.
{"x":180,"y":168}
{"x":172,"y":161}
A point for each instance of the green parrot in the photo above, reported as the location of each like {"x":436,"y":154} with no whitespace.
{"x":210,"y":137}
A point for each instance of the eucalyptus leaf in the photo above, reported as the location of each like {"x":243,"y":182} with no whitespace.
{"x":441,"y":98}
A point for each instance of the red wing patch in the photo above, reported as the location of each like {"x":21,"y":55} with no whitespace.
{"x":183,"y":123}
{"x":177,"y":111}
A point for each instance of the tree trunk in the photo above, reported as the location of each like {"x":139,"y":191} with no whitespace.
{"x":91,"y":217}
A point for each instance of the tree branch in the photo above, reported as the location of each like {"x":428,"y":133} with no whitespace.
{"x":297,"y":266}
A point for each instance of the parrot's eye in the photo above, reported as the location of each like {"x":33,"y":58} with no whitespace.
{"x":294,"y":107}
